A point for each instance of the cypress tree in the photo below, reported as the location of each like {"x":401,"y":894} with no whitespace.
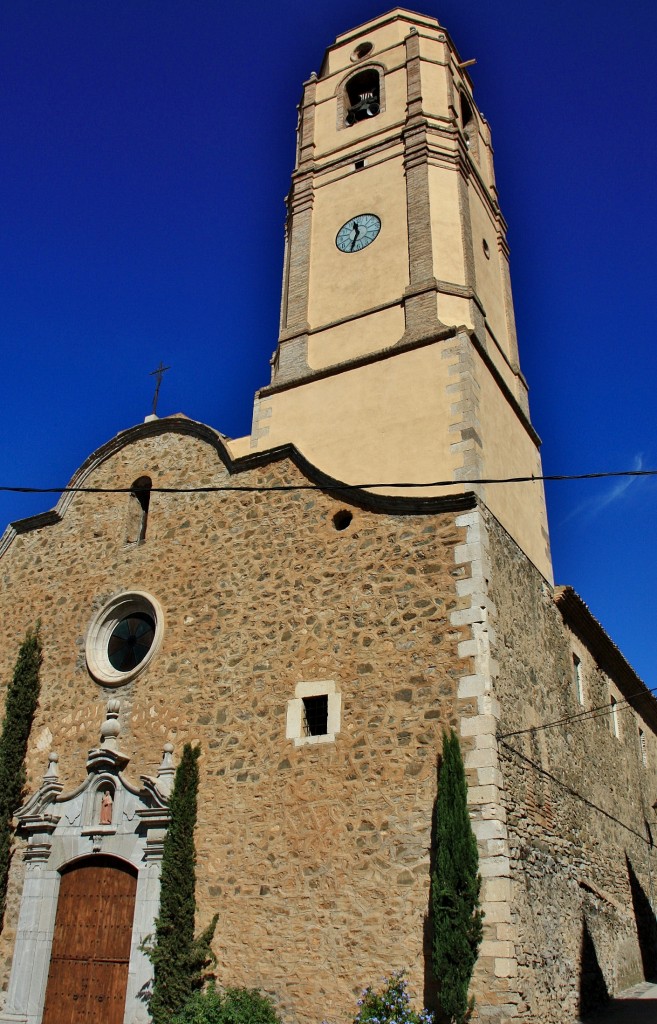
{"x":20,"y":706}
{"x":455,"y":885}
{"x":178,"y":958}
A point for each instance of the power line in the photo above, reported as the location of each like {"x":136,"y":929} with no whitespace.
{"x":598,"y":712}
{"x":573,"y":792}
{"x":336,"y":486}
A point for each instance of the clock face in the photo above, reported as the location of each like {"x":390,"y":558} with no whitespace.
{"x":358,"y":232}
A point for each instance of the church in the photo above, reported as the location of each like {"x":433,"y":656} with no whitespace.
{"x":315,"y":603}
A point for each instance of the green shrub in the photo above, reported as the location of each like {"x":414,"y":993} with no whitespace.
{"x":232,"y":1006}
{"x":179,"y":960}
{"x":455,"y":884}
{"x":20,"y":706}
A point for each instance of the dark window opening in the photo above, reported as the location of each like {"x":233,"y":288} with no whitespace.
{"x":614,"y":718}
{"x":466,"y":111}
{"x":362,"y":51}
{"x":315,"y":715}
{"x":363,"y":96}
{"x":467,"y":124}
{"x":577,"y":671}
{"x":359,"y":165}
{"x":342,"y":519}
{"x":130,"y":642}
{"x":140,"y":498}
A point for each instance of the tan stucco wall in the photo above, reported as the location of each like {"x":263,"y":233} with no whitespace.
{"x":386,"y":421}
{"x":342,"y":284}
{"x":386,"y":37}
{"x":353,"y":339}
{"x":446,"y":225}
{"x":390,"y":34}
{"x":397,"y":419}
{"x":435,"y":83}
{"x":498,"y":356}
{"x":488,"y":279}
{"x":509,"y":451}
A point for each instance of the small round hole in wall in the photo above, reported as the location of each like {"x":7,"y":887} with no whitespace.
{"x":362,"y":50}
{"x":342,"y":519}
{"x":486,"y":248}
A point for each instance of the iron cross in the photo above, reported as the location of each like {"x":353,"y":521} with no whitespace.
{"x":159,"y":373}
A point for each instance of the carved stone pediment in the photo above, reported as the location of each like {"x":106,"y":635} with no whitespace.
{"x":106,"y":804}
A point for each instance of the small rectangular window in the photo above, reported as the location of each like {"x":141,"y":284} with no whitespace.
{"x":614,"y":717}
{"x":642,"y":749}
{"x":315,"y":715}
{"x":577,"y":669}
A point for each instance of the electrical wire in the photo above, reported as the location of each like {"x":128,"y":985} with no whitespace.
{"x":598,"y":712}
{"x":335,"y":486}
{"x":539,"y":769}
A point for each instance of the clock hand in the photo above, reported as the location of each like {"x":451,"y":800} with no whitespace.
{"x":357,"y":232}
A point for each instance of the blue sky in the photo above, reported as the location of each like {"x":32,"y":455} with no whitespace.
{"x":141,"y":221}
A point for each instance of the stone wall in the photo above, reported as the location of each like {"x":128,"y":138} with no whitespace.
{"x":315,"y":857}
{"x":578,"y":798}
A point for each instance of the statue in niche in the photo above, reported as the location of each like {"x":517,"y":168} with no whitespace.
{"x":106,"y":806}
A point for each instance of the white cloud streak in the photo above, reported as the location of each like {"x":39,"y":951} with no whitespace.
{"x":591,"y":507}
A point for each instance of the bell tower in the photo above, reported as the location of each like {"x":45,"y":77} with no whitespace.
{"x":397,"y":357}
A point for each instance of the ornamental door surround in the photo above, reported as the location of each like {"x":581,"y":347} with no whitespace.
{"x":100,"y":849}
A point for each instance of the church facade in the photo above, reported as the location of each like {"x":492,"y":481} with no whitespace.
{"x":315,"y":603}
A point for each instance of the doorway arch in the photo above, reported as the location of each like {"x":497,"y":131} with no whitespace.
{"x":88,"y":974}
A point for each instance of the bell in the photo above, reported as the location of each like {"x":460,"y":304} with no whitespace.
{"x":367,"y":106}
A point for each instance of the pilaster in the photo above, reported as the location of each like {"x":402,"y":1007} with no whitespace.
{"x":494,"y":983}
{"x":511,"y":319}
{"x":463,"y":393}
{"x":307,"y":121}
{"x":420,"y":296}
{"x":291,"y":357}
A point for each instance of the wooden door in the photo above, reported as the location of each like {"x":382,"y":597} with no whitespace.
{"x":91,"y":944}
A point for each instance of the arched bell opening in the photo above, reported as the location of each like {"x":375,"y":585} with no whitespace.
{"x":362,"y":98}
